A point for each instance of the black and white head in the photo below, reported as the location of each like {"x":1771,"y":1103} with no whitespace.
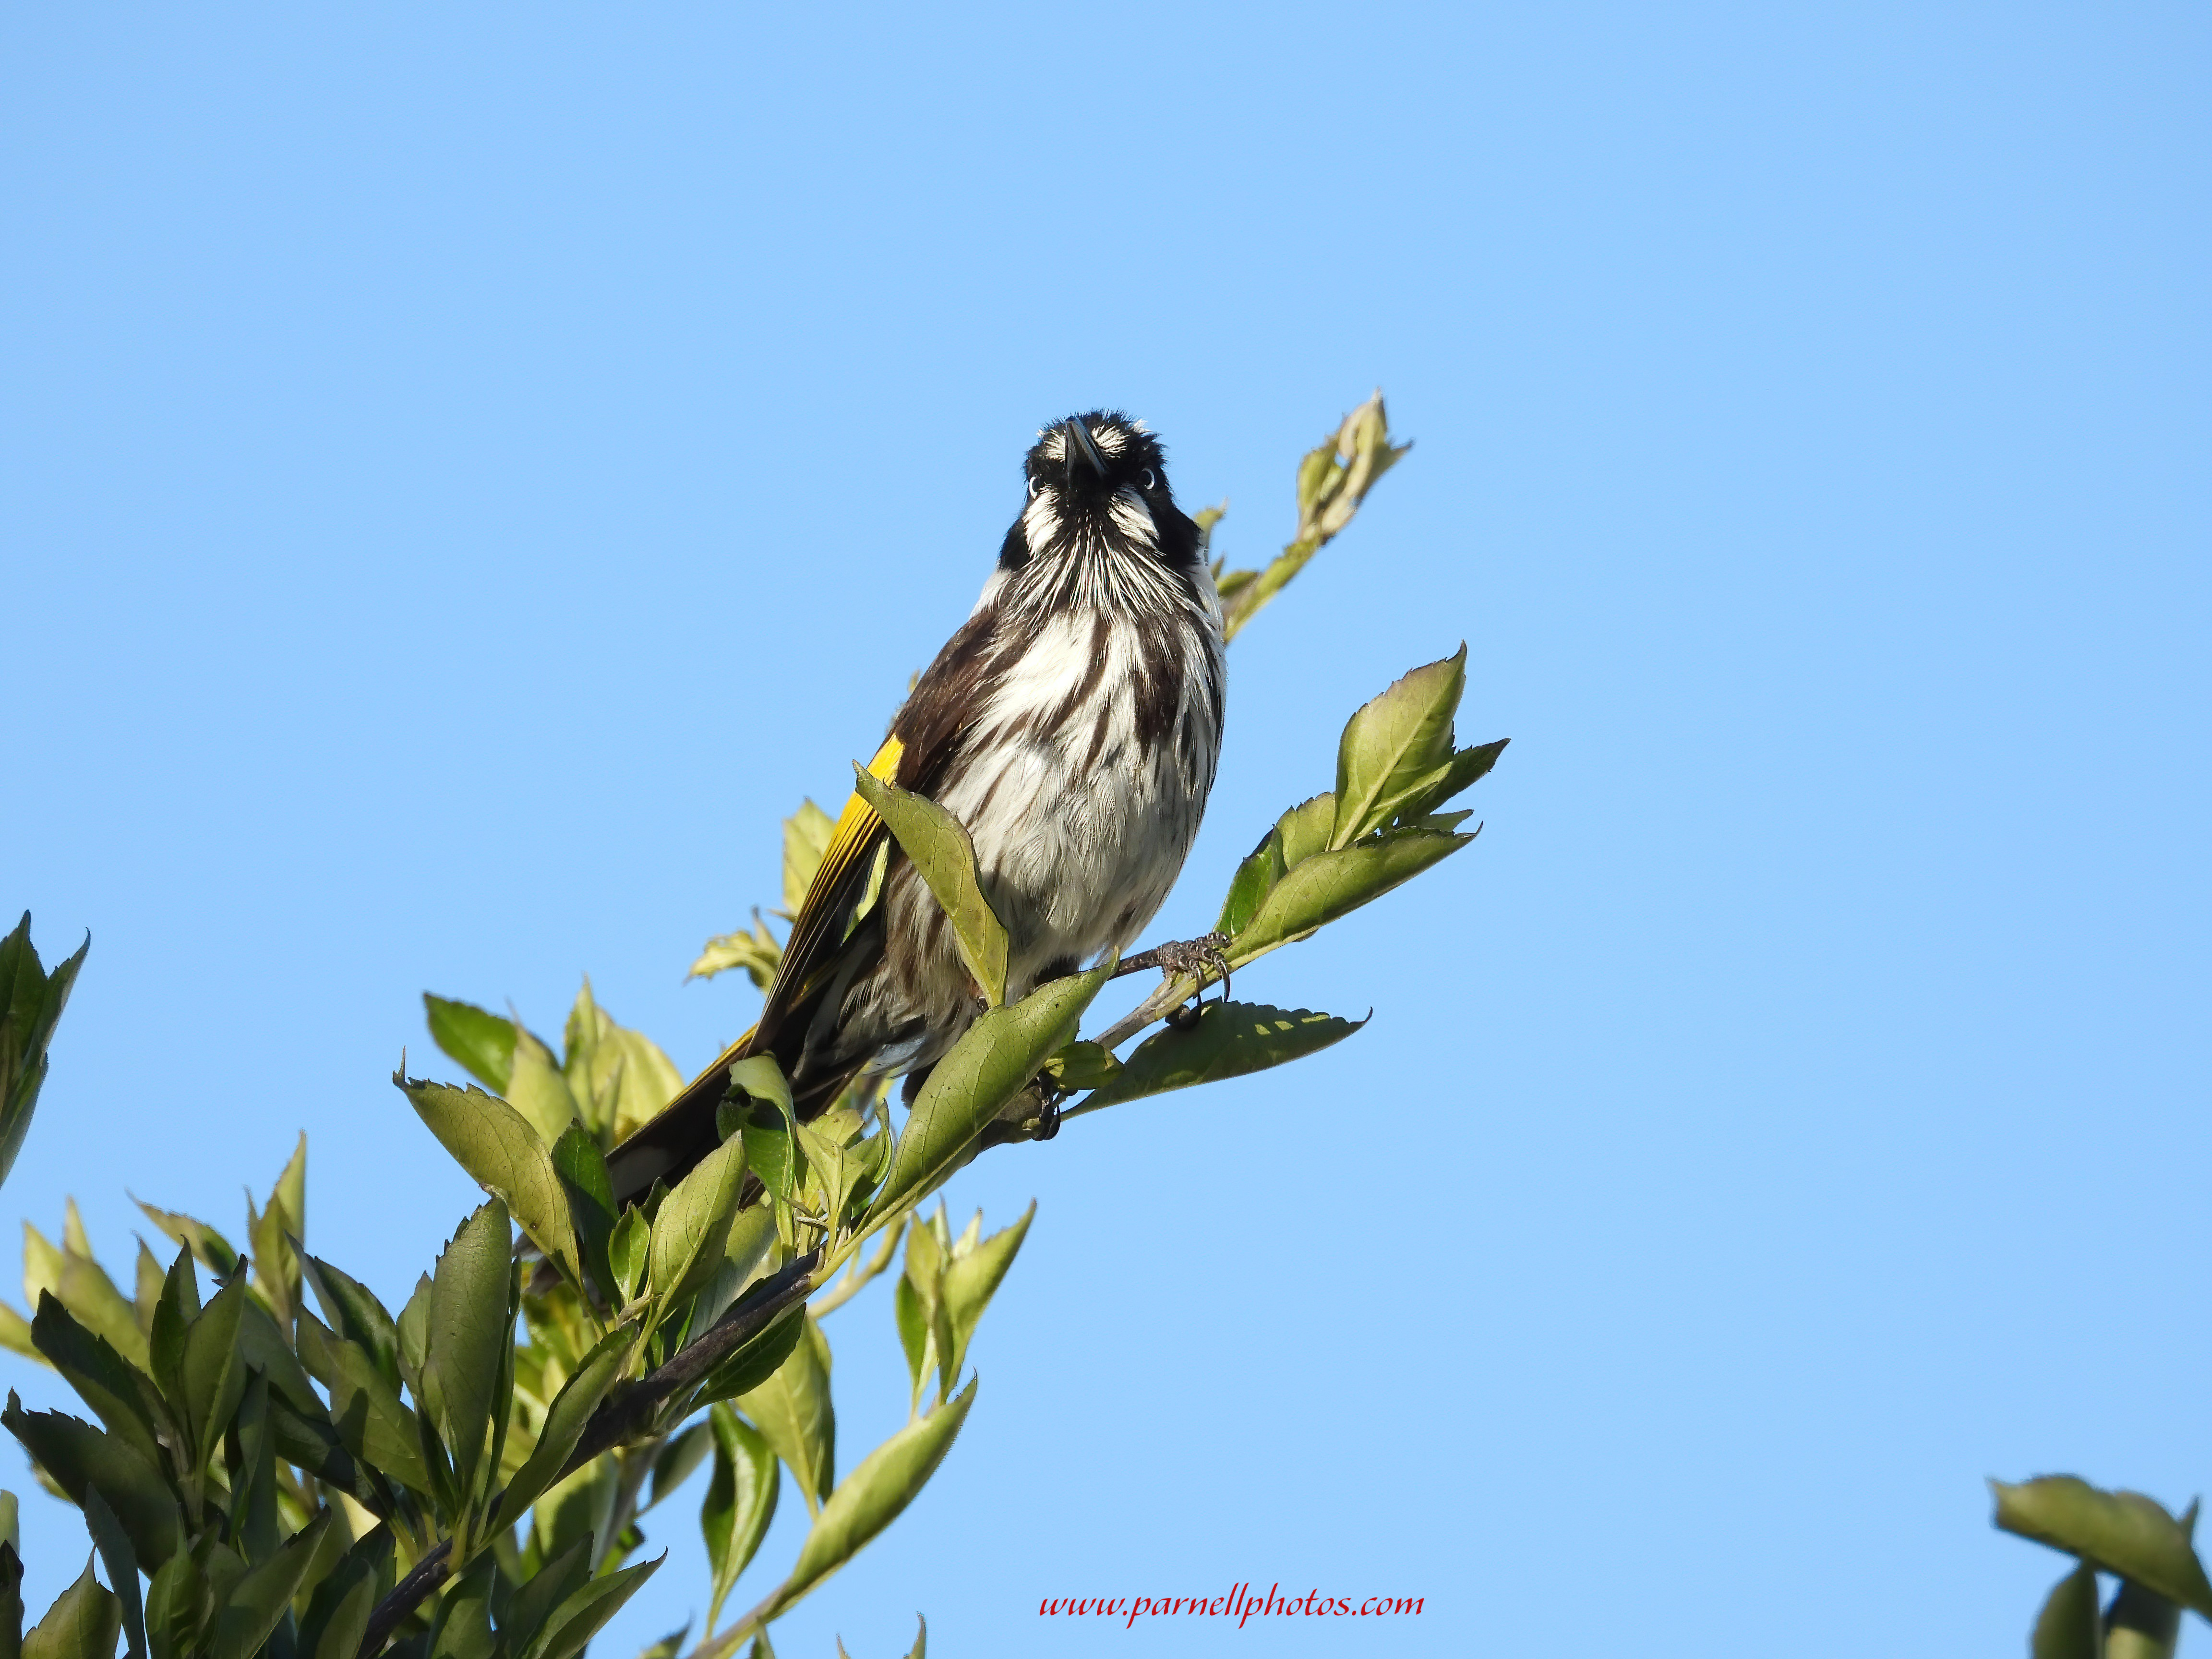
{"x":1099,"y":515}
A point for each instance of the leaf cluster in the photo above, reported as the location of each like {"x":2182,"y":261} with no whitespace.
{"x":294,"y":1470}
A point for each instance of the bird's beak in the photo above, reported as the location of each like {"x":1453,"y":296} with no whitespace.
{"x":1079,"y":435}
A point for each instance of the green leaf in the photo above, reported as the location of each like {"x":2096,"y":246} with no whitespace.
{"x":565,"y":1419}
{"x":678,"y":1458}
{"x":213,"y":1373}
{"x":364,"y":1407}
{"x":757,"y":952}
{"x":471,"y":1329}
{"x":462,"y":1628}
{"x":1082,"y":1066}
{"x":353,"y":1311}
{"x":2141,"y":1623}
{"x":758,"y":1359}
{"x":993,"y":1062}
{"x":1332,"y":482}
{"x":792,"y":1411}
{"x":177,"y":1602}
{"x":122,"y":1562}
{"x":627,"y":1252}
{"x":1227,"y":1040}
{"x":619,"y":1079}
{"x":1392,"y":745}
{"x":530,"y":1608}
{"x":79,"y":1457}
{"x":83,"y":1625}
{"x":1333,"y":884}
{"x":872,"y":1496}
{"x":740,"y":1503}
{"x":586,"y":1610}
{"x":121,"y":1396}
{"x":806,"y":836}
{"x":583,"y":1171}
{"x":2123,"y":1532}
{"x":85,"y":1288}
{"x":481,"y":1040}
{"x":693,"y":1223}
{"x":971,"y":1281}
{"x":11,"y":1598}
{"x":943,"y":855}
{"x":337,"y":1618}
{"x":209,"y":1248}
{"x":540,"y":1092}
{"x":31,"y":1002}
{"x":490,"y":1140}
{"x":413,"y":1330}
{"x":668,"y":1646}
{"x":260,"y":1598}
{"x":263,"y":1347}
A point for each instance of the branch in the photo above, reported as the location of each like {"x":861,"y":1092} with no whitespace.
{"x":616,"y":1420}
{"x":628,"y":1413}
{"x":407,"y":1595}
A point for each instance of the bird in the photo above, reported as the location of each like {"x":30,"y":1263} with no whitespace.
{"x":1073,"y":725}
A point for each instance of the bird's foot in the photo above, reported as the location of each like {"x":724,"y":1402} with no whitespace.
{"x":1190,"y":959}
{"x":1032,"y":1114}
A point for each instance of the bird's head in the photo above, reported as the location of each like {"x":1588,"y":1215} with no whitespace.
{"x":1098,"y":485}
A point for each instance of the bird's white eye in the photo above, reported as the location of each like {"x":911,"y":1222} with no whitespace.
{"x":1033,"y":488}
{"x":1146,"y":475}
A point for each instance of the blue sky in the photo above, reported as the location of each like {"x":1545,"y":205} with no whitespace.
{"x":464,"y":477}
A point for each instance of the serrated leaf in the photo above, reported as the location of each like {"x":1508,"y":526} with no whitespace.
{"x":471,"y":1329}
{"x":1227,"y":1040}
{"x":938,"y":847}
{"x":83,"y":1623}
{"x":121,"y":1396}
{"x":2122,"y":1532}
{"x":792,"y":1411}
{"x":491,"y":1140}
{"x":993,"y":1060}
{"x":873,"y":1496}
{"x":740,"y":1503}
{"x":481,"y":1040}
{"x":79,"y":1457}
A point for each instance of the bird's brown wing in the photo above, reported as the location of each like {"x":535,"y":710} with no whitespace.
{"x":830,"y":924}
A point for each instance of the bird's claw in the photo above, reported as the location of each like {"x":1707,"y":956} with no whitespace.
{"x":1190,"y":959}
